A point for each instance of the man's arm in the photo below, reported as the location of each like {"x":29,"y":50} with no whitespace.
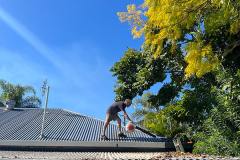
{"x":126,"y":115}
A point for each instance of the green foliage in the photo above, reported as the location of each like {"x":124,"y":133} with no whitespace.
{"x":165,"y":121}
{"x":175,"y":116}
{"x":142,"y":107}
{"x":24,"y":96}
{"x":220,"y":132}
{"x":197,"y":44}
{"x":166,"y":93}
{"x":126,"y":71}
{"x":214,"y":141}
{"x":135,"y":73}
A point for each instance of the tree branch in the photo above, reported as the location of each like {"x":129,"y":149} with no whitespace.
{"x":231,"y":47}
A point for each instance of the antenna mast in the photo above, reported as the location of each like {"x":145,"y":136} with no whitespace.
{"x":45,"y":92}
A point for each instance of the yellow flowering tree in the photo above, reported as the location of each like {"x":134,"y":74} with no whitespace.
{"x":207,"y":31}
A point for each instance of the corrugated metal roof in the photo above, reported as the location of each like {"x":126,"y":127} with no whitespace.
{"x":60,"y":125}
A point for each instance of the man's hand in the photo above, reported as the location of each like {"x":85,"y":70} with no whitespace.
{"x":127,"y":117}
{"x":132,"y":122}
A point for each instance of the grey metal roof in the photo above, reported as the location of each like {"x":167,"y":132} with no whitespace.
{"x":60,"y":125}
{"x":68,"y":130}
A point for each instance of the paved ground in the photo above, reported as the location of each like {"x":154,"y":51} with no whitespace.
{"x":17,"y":155}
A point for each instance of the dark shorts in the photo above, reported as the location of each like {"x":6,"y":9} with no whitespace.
{"x":112,"y":117}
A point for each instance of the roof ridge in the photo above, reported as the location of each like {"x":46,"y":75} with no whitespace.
{"x":35,"y":108}
{"x":82,"y":115}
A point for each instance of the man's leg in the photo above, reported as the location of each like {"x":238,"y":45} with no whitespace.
{"x":106,"y":123}
{"x":119,"y":125}
{"x":120,"y":133}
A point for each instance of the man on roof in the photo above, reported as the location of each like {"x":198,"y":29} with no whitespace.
{"x":112,"y":115}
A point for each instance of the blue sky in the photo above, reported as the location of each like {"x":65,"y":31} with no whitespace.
{"x":72,"y":43}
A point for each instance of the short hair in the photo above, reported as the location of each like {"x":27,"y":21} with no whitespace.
{"x":128,"y":100}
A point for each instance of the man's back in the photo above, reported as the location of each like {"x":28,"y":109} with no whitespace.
{"x":116,"y":107}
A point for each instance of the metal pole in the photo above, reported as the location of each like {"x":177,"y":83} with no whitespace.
{"x":44,"y":112}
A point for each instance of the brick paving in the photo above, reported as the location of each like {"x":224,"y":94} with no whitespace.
{"x":28,"y":155}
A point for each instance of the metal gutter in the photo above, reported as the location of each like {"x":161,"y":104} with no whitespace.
{"x":87,"y":145}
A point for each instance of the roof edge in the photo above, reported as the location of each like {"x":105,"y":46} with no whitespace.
{"x":88,"y":145}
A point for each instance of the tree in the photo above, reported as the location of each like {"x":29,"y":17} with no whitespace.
{"x":208,"y":29}
{"x":196,"y":43}
{"x":175,"y":116}
{"x":24,"y":96}
{"x":135,"y":73}
{"x":221,"y":129}
{"x":143,"y":106}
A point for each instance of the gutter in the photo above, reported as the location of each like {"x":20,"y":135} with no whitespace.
{"x":85,"y":145}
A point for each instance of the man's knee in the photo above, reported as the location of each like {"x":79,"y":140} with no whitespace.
{"x":108,"y":119}
{"x":118,"y":120}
